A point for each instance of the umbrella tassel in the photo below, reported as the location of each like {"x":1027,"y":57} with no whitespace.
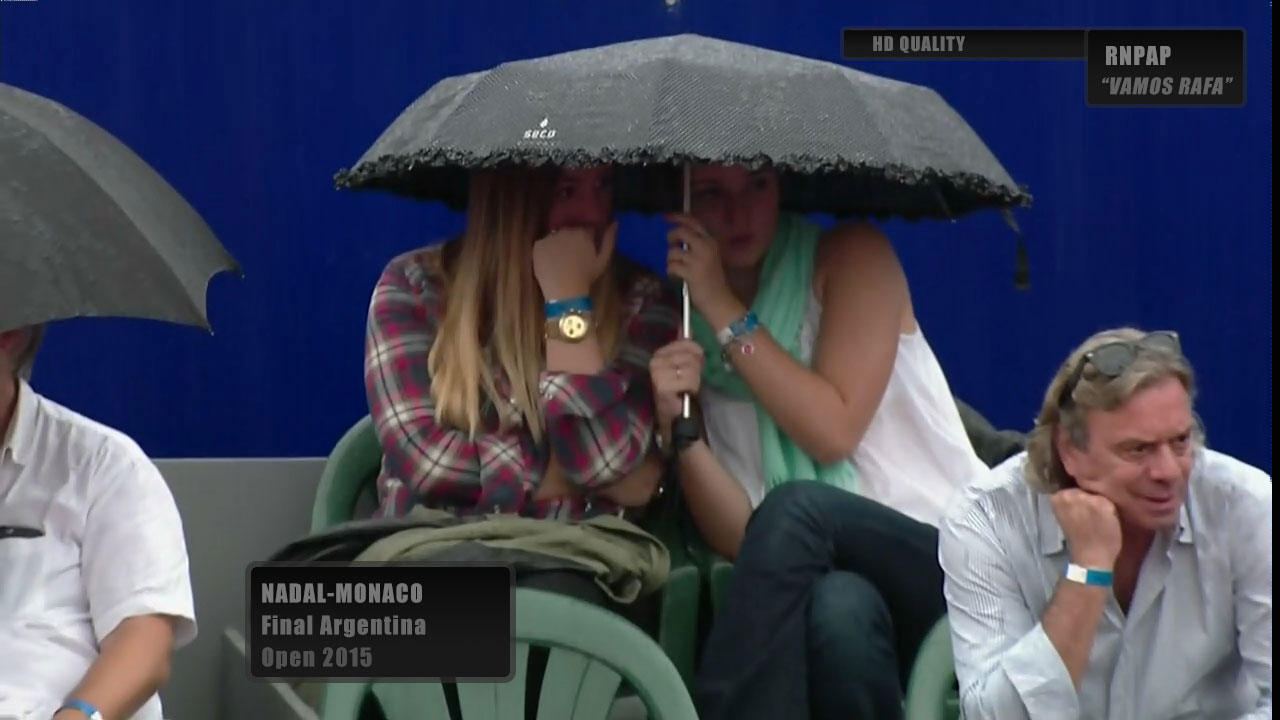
{"x":1021,"y":265}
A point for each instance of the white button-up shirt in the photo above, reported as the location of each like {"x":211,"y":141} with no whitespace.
{"x":111,"y":548}
{"x":1196,"y":642}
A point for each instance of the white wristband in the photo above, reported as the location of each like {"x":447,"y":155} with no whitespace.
{"x":1088,"y":576}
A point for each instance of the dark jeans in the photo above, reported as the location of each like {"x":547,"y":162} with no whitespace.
{"x":829,"y":600}
{"x":643,"y":612}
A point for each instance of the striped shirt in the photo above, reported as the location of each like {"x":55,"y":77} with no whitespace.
{"x":1196,"y":642}
{"x":599,"y":427}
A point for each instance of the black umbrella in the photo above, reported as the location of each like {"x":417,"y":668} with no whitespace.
{"x":845,"y":142}
{"x":88,"y":228}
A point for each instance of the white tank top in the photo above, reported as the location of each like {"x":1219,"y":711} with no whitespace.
{"x":913,"y":456}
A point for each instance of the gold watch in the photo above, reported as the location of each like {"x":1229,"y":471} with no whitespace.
{"x":571,"y":327}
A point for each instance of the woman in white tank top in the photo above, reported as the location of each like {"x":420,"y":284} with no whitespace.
{"x":829,"y":425}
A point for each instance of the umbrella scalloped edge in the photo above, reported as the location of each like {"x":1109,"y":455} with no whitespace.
{"x":397,"y":173}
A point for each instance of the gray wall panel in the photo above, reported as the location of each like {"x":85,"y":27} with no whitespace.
{"x":234,"y":512}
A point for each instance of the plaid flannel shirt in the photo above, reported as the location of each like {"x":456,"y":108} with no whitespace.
{"x":599,"y":427}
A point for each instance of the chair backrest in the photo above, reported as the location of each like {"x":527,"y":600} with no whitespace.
{"x":991,"y":445}
{"x":352,"y":467}
{"x":592,"y":651}
{"x":931,"y":690}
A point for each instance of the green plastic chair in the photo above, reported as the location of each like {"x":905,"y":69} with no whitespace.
{"x":593,"y":651}
{"x":718,"y":571}
{"x":713,"y":567}
{"x":352,"y":469}
{"x":931,"y":691}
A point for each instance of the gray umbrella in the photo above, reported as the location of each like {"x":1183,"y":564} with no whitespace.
{"x":88,"y":228}
{"x":845,"y":142}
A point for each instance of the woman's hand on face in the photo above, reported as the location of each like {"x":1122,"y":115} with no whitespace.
{"x":692,"y":255}
{"x":567,"y":262}
{"x":675,"y":369}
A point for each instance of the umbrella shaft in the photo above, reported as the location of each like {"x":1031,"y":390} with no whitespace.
{"x":684,"y":287}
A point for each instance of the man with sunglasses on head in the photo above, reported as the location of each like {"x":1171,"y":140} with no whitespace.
{"x":1118,"y":568}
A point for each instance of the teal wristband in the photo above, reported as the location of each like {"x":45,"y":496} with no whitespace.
{"x":1088,"y":576}
{"x":556,"y":308}
{"x":89,"y":711}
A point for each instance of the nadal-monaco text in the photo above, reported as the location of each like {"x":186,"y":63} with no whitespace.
{"x":318,"y":593}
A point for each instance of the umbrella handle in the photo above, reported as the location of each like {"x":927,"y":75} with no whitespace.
{"x":684,"y":431}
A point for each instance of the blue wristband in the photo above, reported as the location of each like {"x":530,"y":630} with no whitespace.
{"x":90,"y":711}
{"x":736,"y":329}
{"x":556,"y":308}
{"x":1088,"y":576}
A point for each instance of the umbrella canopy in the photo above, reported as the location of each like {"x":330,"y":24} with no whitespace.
{"x":845,"y":142}
{"x":88,"y":228}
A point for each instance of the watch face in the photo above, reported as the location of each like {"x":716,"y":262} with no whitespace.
{"x":573,"y":326}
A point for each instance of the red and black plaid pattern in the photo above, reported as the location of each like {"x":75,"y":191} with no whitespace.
{"x":599,"y":427}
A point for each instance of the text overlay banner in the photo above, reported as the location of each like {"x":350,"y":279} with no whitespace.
{"x":380,"y":620}
{"x":1170,"y":67}
{"x":963,"y":43}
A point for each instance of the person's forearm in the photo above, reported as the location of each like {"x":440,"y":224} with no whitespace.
{"x":132,"y":665}
{"x":1071,"y":622}
{"x":717,"y":501}
{"x":802,"y":403}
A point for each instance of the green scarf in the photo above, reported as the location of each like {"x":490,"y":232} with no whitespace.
{"x":785,"y":286}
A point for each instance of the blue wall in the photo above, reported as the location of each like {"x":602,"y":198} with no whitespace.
{"x":1156,"y":217}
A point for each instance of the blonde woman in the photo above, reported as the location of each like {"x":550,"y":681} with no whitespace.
{"x":507,"y":369}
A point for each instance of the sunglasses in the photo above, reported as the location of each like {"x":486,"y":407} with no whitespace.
{"x":1113,"y":358}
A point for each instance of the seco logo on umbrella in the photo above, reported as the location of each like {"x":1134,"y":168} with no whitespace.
{"x":542,"y":133}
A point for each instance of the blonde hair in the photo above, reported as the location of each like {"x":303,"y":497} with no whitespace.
{"x":493,"y":305}
{"x":1096,"y":391}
